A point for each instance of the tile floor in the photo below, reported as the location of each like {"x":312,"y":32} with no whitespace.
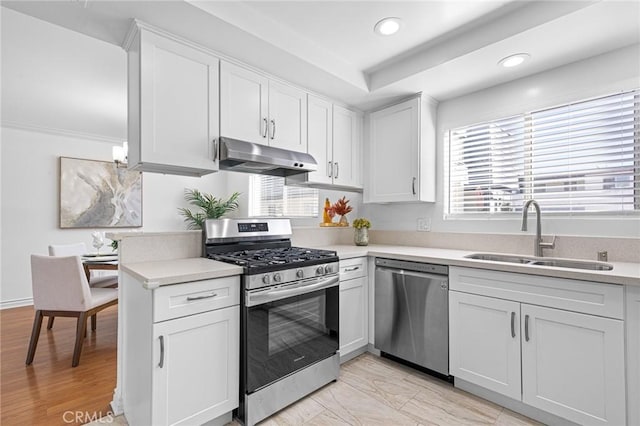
{"x":377,"y":391}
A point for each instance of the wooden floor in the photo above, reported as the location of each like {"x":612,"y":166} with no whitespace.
{"x":50,"y":391}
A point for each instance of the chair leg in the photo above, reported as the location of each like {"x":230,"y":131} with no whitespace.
{"x":50,"y":323}
{"x":81,"y":329}
{"x":94,"y":321}
{"x":35,"y":334}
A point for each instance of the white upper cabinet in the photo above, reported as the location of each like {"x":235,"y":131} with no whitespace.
{"x":173,"y":106}
{"x":256,"y":109}
{"x":287,"y":117}
{"x":243,"y":104}
{"x":347,"y":156}
{"x":401,"y":153}
{"x":320,"y":137}
{"x":335,"y":142}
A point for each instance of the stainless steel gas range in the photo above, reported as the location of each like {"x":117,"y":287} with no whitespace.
{"x":289,"y":312}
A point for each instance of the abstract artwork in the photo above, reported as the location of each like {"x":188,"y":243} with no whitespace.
{"x":97,"y":194}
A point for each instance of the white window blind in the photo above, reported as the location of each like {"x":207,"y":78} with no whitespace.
{"x":578,"y":158}
{"x":270,"y":197}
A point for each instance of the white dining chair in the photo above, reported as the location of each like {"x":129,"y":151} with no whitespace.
{"x":60,"y":289}
{"x":78,"y":249}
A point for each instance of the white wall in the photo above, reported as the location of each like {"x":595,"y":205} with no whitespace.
{"x":605,"y":74}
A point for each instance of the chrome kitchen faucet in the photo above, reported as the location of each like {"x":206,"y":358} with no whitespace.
{"x":538,"y":245}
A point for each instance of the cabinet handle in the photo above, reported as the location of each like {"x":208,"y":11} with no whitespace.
{"x":273,"y":129}
{"x":161,"y":363}
{"x":526,"y":328}
{"x":353,"y":268}
{"x":513,"y":324}
{"x":266,"y":127}
{"x":330,"y":168}
{"x":413,"y":186}
{"x":215,"y":149}
{"x":206,"y":296}
{"x":337,"y":170}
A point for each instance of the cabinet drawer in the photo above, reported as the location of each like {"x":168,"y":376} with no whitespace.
{"x":353,"y":268}
{"x":573,"y":295}
{"x":179,"y":300}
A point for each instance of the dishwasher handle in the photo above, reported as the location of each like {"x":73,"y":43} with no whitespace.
{"x":412,"y":273}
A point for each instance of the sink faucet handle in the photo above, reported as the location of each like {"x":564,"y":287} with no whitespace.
{"x":550,"y":245}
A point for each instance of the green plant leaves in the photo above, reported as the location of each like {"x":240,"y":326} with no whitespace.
{"x":210,"y":206}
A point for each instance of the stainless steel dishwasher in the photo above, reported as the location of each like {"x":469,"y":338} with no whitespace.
{"x":412,"y":312}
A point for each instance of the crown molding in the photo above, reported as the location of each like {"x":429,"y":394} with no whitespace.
{"x":61,"y":132}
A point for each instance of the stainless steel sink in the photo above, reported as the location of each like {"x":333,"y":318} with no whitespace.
{"x":537,"y":261}
{"x":576,"y":264}
{"x":501,"y":257}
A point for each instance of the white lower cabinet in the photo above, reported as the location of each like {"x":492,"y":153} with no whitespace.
{"x":181,"y":351}
{"x":570,"y":364}
{"x":353,"y":306}
{"x":573,"y":365}
{"x":484,"y":346}
{"x":632,"y":322}
{"x":196,"y":367}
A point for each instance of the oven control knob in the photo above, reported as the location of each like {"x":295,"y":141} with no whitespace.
{"x":266,"y":279}
{"x":320,"y":270}
{"x":300,"y":273}
{"x":328,"y":269}
{"x":277,"y":277}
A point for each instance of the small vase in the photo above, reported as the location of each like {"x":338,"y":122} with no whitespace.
{"x":343,"y":221}
{"x":361,"y":237}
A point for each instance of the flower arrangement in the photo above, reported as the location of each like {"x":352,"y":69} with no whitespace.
{"x":361,"y":222}
{"x":342,"y":207}
{"x":210,"y":207}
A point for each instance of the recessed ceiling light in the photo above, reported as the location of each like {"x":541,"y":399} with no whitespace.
{"x":387,"y":26}
{"x":514,"y":60}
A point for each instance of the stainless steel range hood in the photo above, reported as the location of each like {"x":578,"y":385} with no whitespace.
{"x":247,"y":157}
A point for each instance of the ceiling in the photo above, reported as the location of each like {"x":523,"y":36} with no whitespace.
{"x":445,"y":48}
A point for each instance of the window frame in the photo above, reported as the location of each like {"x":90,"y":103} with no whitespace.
{"x":526,"y":193}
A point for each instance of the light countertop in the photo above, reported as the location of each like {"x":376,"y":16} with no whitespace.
{"x":166,"y":272}
{"x":158,"y":273}
{"x":622,"y":273}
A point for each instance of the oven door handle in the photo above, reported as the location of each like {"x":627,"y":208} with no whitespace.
{"x":258,"y":298}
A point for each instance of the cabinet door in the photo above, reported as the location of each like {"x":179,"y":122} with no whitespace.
{"x":393,"y":168}
{"x":353,"y":315}
{"x":573,"y":365}
{"x":320,"y":138}
{"x":287,"y":117}
{"x":632,"y":323}
{"x":345,"y":139}
{"x":243,"y":104}
{"x":196,"y":367}
{"x":484,"y":342}
{"x":173,"y":106}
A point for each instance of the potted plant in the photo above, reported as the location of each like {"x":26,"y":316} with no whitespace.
{"x":210,"y":207}
{"x":361,"y":235}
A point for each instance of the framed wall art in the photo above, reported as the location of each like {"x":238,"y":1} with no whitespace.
{"x":98,"y":194}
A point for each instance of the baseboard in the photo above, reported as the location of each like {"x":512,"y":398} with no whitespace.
{"x":351,"y":355}
{"x":513,"y":405}
{"x":16,"y":303}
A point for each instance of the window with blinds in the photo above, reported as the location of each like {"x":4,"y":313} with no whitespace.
{"x":578,"y":158}
{"x":269,"y":197}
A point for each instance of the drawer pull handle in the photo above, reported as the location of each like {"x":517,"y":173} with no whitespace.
{"x":513,"y":324}
{"x":206,"y":296}
{"x":354,"y":268}
{"x":526,"y":328}
{"x":161,"y":363}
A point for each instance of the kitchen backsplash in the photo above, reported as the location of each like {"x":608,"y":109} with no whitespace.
{"x":619,"y":249}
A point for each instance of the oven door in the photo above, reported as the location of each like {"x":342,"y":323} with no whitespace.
{"x":288,"y":328}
